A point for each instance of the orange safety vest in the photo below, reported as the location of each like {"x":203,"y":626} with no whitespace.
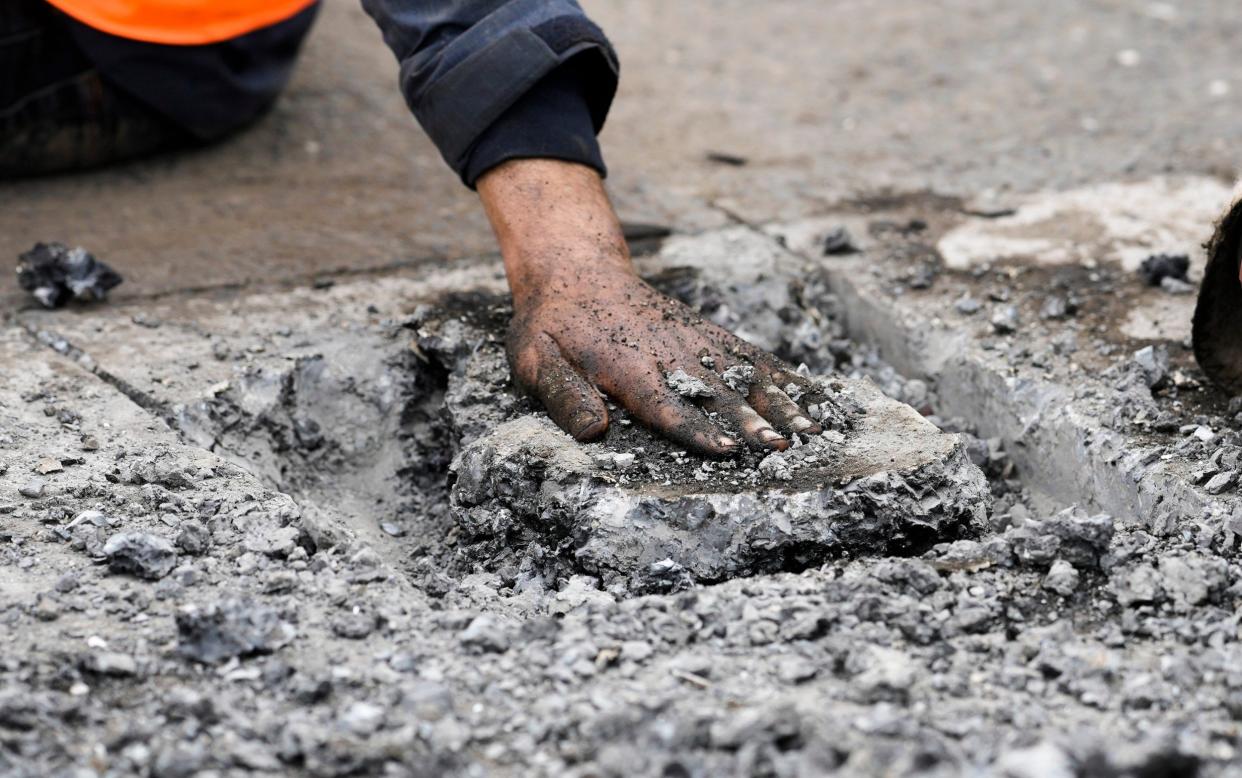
{"x":180,"y":22}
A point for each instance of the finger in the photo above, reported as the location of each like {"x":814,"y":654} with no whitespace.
{"x":776,"y":370}
{"x":643,"y":392}
{"x":792,"y":383}
{"x":570,"y":400}
{"x":732,"y":410}
{"x":774,"y":405}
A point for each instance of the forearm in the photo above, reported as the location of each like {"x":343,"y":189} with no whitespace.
{"x":553,"y":220}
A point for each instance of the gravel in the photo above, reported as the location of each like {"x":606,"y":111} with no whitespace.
{"x":555,"y":609}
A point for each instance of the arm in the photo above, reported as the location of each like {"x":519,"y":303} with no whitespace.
{"x":513,"y":93}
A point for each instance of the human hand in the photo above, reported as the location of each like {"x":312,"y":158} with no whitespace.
{"x":584,"y":319}
{"x":682,"y":376}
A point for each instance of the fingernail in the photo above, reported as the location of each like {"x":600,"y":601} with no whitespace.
{"x":724,"y":441}
{"x":770,"y":435}
{"x":801,"y":423}
{"x":582,"y":422}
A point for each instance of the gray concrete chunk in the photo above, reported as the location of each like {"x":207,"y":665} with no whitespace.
{"x":141,"y":554}
{"x":894,"y":481}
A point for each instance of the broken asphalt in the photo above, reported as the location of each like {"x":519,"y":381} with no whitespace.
{"x":275,"y":508}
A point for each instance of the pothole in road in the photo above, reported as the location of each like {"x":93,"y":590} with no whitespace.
{"x":363,"y":430}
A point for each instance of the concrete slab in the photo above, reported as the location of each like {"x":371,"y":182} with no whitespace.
{"x":1056,"y":384}
{"x":1112,"y":222}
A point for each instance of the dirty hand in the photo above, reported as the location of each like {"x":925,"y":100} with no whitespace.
{"x":583,"y":318}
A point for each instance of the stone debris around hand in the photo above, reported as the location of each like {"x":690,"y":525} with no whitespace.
{"x":776,"y":467}
{"x":611,"y":608}
{"x":739,"y":378}
{"x":687,"y":385}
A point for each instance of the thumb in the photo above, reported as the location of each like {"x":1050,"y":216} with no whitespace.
{"x":573,"y":403}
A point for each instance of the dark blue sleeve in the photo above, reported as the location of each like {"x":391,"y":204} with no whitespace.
{"x":551,"y":121}
{"x":465,"y":63}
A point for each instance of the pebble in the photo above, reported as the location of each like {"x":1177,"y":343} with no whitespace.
{"x":1221,"y":482}
{"x":46,"y":608}
{"x":1157,"y":267}
{"x":111,"y":663}
{"x":1054,"y":307}
{"x":67,"y":582}
{"x":882,"y":673}
{"x":485,"y":633}
{"x":967,"y":306}
{"x":231,"y":628}
{"x":1005,"y":319}
{"x":776,"y":466}
{"x":362,"y":718}
{"x":739,"y":378}
{"x":796,"y":669}
{"x":1153,"y":363}
{"x":1062,"y":578}
{"x":839,"y":241}
{"x":141,"y":554}
{"x":48,"y":466}
{"x":1137,"y":585}
{"x":1176,"y":286}
{"x":193,"y":537}
{"x":1044,"y":760}
{"x":32,"y":489}
{"x":354,"y":625}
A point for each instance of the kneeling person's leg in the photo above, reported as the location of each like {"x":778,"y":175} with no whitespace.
{"x":56,"y":112}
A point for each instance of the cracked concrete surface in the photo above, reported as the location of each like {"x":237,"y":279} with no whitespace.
{"x":300,"y":467}
{"x":305,"y":526}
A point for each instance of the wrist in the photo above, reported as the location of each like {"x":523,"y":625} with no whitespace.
{"x":553,"y":222}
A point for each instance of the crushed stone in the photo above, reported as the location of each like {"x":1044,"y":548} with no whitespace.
{"x":55,"y":274}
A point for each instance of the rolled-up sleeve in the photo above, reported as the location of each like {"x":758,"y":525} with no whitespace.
{"x":465,"y":63}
